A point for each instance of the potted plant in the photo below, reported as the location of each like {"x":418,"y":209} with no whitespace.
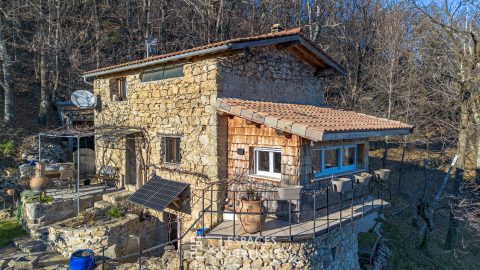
{"x":342,"y":184}
{"x":289,"y":192}
{"x":383,"y":174}
{"x":363,"y":178}
{"x":252,"y":208}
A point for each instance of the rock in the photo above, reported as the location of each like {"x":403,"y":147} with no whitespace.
{"x":24,"y":262}
{"x":4,"y":214}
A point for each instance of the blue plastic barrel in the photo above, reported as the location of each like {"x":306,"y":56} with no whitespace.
{"x":200,"y":231}
{"x":83,"y":259}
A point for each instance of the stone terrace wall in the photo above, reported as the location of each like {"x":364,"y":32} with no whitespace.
{"x":268,"y":74}
{"x":334,"y":251}
{"x":39,"y":215}
{"x":337,"y":250}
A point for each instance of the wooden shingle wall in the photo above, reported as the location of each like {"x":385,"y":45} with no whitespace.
{"x":247,"y":136}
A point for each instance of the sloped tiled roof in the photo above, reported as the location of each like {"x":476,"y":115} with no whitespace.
{"x":313,"y":122}
{"x":285,"y":33}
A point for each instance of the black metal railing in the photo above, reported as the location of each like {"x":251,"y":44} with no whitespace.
{"x":315,"y":205}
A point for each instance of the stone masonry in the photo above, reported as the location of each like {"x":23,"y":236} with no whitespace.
{"x":334,"y":251}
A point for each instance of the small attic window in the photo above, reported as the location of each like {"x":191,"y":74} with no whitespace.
{"x":163,"y":73}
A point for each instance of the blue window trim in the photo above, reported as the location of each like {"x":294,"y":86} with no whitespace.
{"x":341,"y":168}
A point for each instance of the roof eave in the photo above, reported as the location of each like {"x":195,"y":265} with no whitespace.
{"x":217,"y":49}
{"x":334,"y":136}
{"x":233,"y":46}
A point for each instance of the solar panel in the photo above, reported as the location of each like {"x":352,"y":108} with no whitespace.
{"x":157,"y":193}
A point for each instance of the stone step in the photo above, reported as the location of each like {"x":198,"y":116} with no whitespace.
{"x":117,"y":196}
{"x":29,"y":245}
{"x":102,"y":204}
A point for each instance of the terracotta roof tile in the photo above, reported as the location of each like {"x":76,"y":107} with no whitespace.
{"x":311,"y":121}
{"x":285,"y":33}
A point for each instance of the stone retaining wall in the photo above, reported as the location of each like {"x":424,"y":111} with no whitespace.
{"x":334,"y":251}
{"x":38,"y":215}
{"x":116,"y":236}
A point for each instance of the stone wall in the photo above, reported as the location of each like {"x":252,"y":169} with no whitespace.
{"x":39,"y":215}
{"x":118,"y":236}
{"x":179,"y":106}
{"x":334,"y":251}
{"x":268,"y":74}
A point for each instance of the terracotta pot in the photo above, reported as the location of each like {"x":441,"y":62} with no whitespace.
{"x":10,"y":192}
{"x":363,"y":179}
{"x":39,"y":183}
{"x":342,"y":184}
{"x":252,"y":223}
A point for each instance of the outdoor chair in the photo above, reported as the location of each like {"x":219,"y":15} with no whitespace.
{"x":108,"y":175}
{"x":66,"y":178}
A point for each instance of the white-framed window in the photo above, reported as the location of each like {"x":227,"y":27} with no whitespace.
{"x":334,"y":160}
{"x":268,"y":162}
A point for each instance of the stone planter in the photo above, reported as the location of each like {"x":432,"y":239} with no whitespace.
{"x":342,"y":184}
{"x":383,"y":174}
{"x":363,"y":178}
{"x":289,"y":192}
{"x":253,"y":221}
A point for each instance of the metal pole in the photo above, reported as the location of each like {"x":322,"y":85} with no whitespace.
{"x":328,"y":214}
{"x":39,"y":147}
{"x":314,"y":213}
{"x":203,"y":213}
{"x":351,"y":205}
{"x":234,"y":210}
{"x":290,"y":220}
{"x":139,"y":254}
{"x":211,"y":206}
{"x":78,"y":175}
{"x":180,"y":250}
{"x":341,"y":200}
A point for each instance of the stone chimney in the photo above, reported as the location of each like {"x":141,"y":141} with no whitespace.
{"x":276,"y":28}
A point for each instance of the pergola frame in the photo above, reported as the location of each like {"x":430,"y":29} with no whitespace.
{"x":78,"y":133}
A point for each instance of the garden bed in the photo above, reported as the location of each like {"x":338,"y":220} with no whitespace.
{"x":95,"y":230}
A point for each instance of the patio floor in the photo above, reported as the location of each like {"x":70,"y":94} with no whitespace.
{"x":65,"y":193}
{"x":280,"y":229}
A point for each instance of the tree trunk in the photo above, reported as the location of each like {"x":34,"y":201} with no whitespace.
{"x":452,"y":235}
{"x":476,"y":118}
{"x":44,"y":100}
{"x":97,"y":34}
{"x":7,"y":82}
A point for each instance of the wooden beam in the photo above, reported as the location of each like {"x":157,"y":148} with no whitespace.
{"x":325,"y":72}
{"x":287,"y":45}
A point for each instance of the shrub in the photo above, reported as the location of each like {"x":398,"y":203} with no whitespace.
{"x":115,"y":212}
{"x":31,"y":197}
{"x":6,"y":148}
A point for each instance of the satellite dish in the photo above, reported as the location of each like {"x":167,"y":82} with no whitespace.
{"x":83,"y":99}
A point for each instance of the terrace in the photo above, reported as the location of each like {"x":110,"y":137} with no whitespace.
{"x":317,"y":211}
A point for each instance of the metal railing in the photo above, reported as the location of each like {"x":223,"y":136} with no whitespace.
{"x":315,"y":205}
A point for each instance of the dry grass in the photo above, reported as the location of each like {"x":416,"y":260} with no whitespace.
{"x":401,"y":235}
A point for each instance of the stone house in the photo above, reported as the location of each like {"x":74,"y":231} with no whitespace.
{"x":241,"y":108}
